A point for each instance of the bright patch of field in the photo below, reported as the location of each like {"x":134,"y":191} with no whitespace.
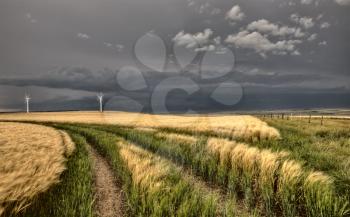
{"x":32,"y":160}
{"x":171,"y":137}
{"x":235,"y":126}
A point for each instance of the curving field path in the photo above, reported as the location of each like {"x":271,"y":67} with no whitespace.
{"x":108,"y":195}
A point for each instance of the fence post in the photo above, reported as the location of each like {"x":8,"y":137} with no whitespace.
{"x":309,"y":119}
{"x":322,"y":120}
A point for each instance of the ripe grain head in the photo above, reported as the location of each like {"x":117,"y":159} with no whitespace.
{"x":147,"y":171}
{"x":269,"y":163}
{"x":290,"y":173}
{"x":237,"y":154}
{"x":146,"y":129}
{"x":178,"y":138}
{"x":67,"y":143}
{"x":319,"y":179}
{"x":222,"y":147}
{"x":32,"y":159}
{"x":250,"y":160}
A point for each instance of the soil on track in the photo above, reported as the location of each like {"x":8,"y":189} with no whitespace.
{"x":108,"y":195}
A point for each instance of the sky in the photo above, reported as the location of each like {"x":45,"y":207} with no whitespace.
{"x":175,"y":55}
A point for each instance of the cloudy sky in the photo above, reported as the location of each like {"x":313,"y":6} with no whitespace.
{"x":176,"y":55}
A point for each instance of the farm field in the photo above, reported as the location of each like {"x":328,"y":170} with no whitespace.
{"x":168,"y":165}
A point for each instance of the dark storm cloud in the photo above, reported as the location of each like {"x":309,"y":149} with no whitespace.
{"x":75,"y":78}
{"x":79,"y":45}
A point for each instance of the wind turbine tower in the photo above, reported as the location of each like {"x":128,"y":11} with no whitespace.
{"x":27,"y":99}
{"x":100,"y":99}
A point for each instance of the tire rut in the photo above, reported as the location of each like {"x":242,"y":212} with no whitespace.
{"x":108,"y":199}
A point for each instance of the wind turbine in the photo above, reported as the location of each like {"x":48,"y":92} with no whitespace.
{"x":27,"y":99}
{"x":100,"y":99}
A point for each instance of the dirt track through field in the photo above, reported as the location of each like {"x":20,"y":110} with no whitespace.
{"x":108,"y":195}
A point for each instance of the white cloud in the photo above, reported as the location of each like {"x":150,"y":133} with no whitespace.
{"x":323,"y":43}
{"x":190,"y":3}
{"x":256,"y":71}
{"x":312,"y":37}
{"x":193,"y":40}
{"x":119,"y":47}
{"x":343,"y":2}
{"x":83,"y":36}
{"x":320,"y":16}
{"x":206,"y":48}
{"x":296,"y":53}
{"x":294,"y":18}
{"x":217,"y":40}
{"x":325,"y":25}
{"x":201,"y":41}
{"x":235,"y":14}
{"x":203,"y":8}
{"x":261,"y":44}
{"x":264,"y":26}
{"x":306,"y":2}
{"x":253,"y":72}
{"x":298,"y":33}
{"x":107,"y":44}
{"x":30,"y":18}
{"x":306,"y":22}
{"x":221,"y":50}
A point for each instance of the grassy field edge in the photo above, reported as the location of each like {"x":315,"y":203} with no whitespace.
{"x":175,"y":197}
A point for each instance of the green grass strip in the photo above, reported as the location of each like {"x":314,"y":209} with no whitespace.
{"x":176,"y":198}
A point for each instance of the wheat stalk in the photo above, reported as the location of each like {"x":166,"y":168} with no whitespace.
{"x":32,"y":159}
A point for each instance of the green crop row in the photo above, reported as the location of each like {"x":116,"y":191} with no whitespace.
{"x":152,"y":186}
{"x":260,"y":177}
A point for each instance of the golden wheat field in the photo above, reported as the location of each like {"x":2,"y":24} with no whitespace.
{"x":238,"y":126}
{"x":32,"y":159}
